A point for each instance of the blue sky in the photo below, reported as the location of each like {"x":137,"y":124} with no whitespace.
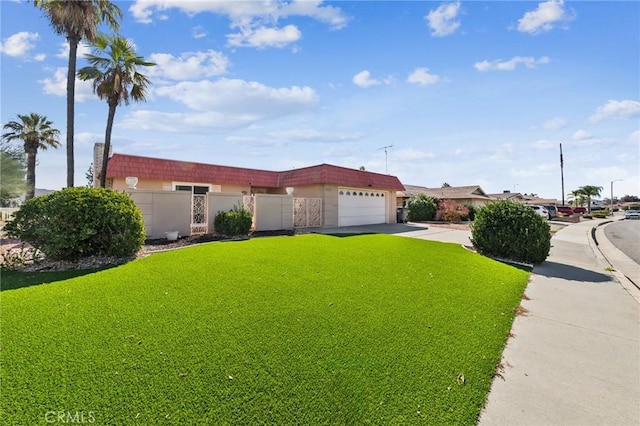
{"x":469,"y":93}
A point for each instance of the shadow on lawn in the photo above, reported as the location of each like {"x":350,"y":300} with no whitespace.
{"x":12,"y":280}
{"x":348,"y":234}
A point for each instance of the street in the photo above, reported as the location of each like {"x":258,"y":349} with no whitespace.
{"x":625,"y":235}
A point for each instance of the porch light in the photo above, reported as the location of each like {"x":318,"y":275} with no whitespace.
{"x":131,"y":182}
{"x":289,"y":190}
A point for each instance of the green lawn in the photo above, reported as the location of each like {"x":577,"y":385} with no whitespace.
{"x":310,"y":329}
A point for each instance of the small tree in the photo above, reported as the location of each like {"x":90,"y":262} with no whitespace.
{"x":421,"y":208}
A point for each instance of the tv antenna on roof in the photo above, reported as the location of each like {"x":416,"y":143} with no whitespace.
{"x":386,"y":163}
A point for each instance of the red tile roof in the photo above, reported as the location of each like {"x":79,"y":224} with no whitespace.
{"x":121,"y":165}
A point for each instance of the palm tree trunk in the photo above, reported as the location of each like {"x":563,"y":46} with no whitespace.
{"x":71,"y":94}
{"x":31,"y":172}
{"x":107,"y":143}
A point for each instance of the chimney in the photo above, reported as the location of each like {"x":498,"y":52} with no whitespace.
{"x":98,"y":152}
{"x":506,"y":191}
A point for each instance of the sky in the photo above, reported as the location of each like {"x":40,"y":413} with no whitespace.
{"x":467,"y":93}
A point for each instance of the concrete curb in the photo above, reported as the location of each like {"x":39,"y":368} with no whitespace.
{"x":606,"y":252}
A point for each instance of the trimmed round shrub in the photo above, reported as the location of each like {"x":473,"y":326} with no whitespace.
{"x":511,"y":231}
{"x":79,"y":222}
{"x":421,"y":208}
{"x":233,"y":223}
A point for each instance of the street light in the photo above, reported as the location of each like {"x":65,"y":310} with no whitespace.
{"x":617,"y":180}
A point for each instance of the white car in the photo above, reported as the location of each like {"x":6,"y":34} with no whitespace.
{"x":632,"y":214}
{"x":541,"y":210}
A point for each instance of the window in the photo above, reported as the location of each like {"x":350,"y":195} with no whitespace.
{"x":194,"y":189}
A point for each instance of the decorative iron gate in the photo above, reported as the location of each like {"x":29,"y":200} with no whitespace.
{"x":248,"y":203}
{"x":307,"y":212}
{"x":198,"y":214}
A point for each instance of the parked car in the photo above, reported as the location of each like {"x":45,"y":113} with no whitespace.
{"x":541,"y":211}
{"x":632,"y":214}
{"x":565,"y":210}
{"x":553,"y":212}
{"x":579,"y":210}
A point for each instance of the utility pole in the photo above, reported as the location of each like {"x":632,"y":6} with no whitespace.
{"x":562,"y":173}
{"x":386,"y":163}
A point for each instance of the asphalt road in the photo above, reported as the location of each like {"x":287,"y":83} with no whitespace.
{"x":625,"y":235}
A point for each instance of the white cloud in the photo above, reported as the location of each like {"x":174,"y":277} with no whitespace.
{"x":262,"y":37}
{"x":19,"y":44}
{"x":635,"y":137}
{"x":189,"y":66}
{"x":511,"y":64}
{"x":616,"y":110}
{"x":309,"y":135}
{"x":422,"y":76}
{"x":185,"y":123}
{"x":545,"y":145}
{"x":410,"y":154}
{"x":57,"y":85}
{"x":222,"y":104}
{"x":143,"y":10}
{"x":83,"y":49}
{"x":555,"y":123}
{"x":581,"y":135}
{"x":256,"y":21}
{"x":239,"y":97}
{"x":544,"y":18}
{"x":198,"y":32}
{"x":539,"y":170}
{"x":40,"y":57}
{"x":363,"y":79}
{"x":442,"y":20}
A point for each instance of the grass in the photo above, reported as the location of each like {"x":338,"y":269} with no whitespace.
{"x":309,"y":329}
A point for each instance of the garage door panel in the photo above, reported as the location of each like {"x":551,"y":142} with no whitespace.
{"x":366,"y":209}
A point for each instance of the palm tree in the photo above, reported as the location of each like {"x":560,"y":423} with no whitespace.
{"x":77,"y":20}
{"x":590,"y":191}
{"x":115,"y":79}
{"x":36,"y":132}
{"x":577,"y":197}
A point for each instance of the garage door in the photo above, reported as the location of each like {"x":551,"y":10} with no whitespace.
{"x":360,"y":207}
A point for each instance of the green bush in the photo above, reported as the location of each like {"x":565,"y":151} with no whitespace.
{"x":600,"y":214}
{"x":631,"y":207}
{"x":78,"y":222}
{"x":471,"y":215}
{"x":233,"y":223}
{"x":421,"y":208}
{"x":512,"y":231}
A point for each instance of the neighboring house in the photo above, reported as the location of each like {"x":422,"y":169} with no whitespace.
{"x":349,"y":196}
{"x":509,"y":196}
{"x":538,"y":201}
{"x":473,"y":195}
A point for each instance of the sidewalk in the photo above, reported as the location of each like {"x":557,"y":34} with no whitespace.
{"x":575,"y":357}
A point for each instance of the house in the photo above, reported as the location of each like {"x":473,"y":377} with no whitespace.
{"x":349,"y":196}
{"x":509,"y":196}
{"x":472,"y":195}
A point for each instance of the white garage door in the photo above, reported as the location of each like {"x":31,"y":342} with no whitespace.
{"x":360,"y":207}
